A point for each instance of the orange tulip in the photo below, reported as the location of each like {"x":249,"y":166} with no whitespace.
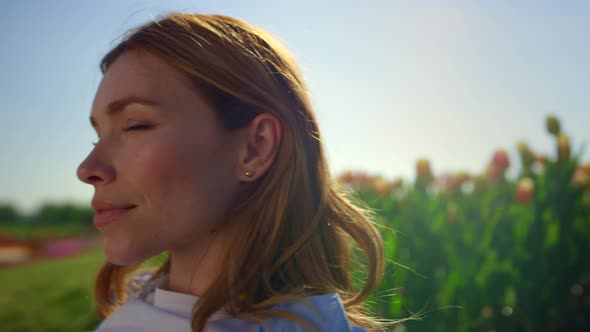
{"x":356,"y":180}
{"x":462,"y":177}
{"x":525,"y":190}
{"x":423,"y":168}
{"x":381,"y":187}
{"x":581,"y":177}
{"x":541,"y":159}
{"x":563,"y":146}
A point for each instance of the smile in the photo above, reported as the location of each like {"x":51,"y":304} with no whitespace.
{"x":107,"y":216}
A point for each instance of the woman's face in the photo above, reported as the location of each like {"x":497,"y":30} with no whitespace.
{"x":161,"y":149}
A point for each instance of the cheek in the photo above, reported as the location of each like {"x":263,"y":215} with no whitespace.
{"x":187,"y":186}
{"x":152,"y":167}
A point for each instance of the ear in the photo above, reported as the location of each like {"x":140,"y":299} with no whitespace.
{"x":261,"y":141}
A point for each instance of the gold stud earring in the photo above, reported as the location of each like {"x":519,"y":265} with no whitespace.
{"x":248,"y":174}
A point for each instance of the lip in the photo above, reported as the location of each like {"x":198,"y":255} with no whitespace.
{"x":99,"y":205}
{"x":104,"y":217}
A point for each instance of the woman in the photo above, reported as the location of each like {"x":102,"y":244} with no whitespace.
{"x":209,"y":150}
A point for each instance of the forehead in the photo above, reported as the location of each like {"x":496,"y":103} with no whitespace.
{"x":140,"y":74}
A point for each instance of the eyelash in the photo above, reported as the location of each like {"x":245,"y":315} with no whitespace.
{"x":136,"y":127}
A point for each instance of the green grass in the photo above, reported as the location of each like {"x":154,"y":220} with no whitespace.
{"x":32,"y":231}
{"x":52,"y":295}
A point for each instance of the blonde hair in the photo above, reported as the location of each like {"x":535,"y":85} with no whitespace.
{"x":307,"y":220}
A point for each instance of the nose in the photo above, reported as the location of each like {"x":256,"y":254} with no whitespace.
{"x":94,"y":170}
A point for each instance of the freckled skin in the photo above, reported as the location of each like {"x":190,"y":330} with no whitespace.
{"x":181,"y":173}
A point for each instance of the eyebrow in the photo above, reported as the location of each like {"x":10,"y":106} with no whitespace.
{"x":119,"y":105}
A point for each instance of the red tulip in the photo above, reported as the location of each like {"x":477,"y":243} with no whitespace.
{"x":500,"y":160}
{"x":450,"y":183}
{"x":364,"y":180}
{"x":346,"y":177}
{"x":494,"y":173}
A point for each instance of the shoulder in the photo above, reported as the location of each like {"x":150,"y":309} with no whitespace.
{"x":324,"y":312}
{"x":138,"y":316}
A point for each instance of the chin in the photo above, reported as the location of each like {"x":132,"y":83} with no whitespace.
{"x":118,"y":253}
{"x":117,"y":258}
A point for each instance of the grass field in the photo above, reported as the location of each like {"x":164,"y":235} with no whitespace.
{"x":53,"y":295}
{"x":33,"y":231}
{"x":50,"y":295}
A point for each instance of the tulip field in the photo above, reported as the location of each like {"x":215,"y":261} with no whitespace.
{"x":465,"y":252}
{"x":484,"y":253}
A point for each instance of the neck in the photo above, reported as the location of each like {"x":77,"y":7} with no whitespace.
{"x":193,"y":269}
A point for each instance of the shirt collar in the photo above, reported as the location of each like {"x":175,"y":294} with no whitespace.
{"x":177,"y":303}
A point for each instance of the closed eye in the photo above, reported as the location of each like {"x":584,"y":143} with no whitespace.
{"x":136,"y":127}
{"x":139,"y":127}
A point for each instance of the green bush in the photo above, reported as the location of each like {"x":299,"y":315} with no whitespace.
{"x":483,"y":253}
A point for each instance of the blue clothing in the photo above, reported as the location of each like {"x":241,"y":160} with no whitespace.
{"x":157,"y":309}
{"x":327,"y":314}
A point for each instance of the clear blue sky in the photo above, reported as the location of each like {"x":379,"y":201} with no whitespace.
{"x":391,"y":81}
